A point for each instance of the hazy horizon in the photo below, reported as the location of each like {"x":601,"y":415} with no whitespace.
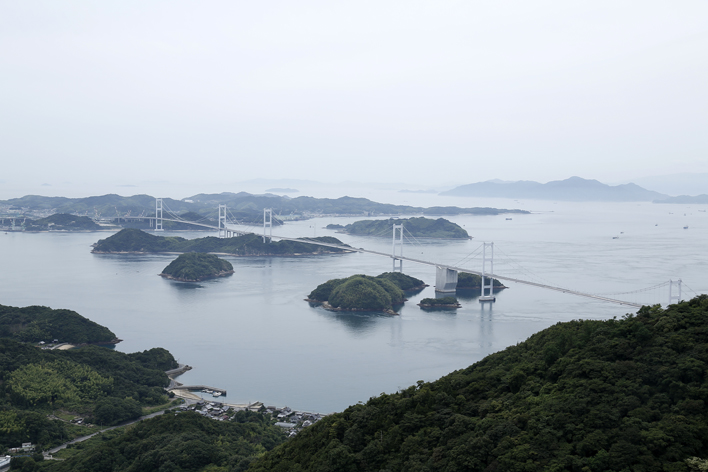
{"x":98,"y":95}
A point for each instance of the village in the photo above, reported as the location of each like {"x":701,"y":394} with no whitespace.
{"x":291,"y":420}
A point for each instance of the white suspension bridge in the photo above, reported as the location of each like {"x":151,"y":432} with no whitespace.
{"x":446,"y":275}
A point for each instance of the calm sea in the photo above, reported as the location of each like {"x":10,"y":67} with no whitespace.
{"x":253,"y":334}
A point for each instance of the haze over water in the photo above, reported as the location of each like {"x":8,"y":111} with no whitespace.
{"x":253,"y":334}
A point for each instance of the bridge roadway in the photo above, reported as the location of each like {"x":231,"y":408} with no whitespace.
{"x":204,"y":225}
{"x":468,"y":271}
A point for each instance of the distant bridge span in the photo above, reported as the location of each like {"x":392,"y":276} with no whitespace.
{"x":462,"y":269}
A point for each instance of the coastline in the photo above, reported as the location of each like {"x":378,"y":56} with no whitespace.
{"x":223,"y":273}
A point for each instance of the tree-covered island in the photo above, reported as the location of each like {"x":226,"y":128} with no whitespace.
{"x":62,"y":222}
{"x":135,"y":241}
{"x":365,"y":293}
{"x":467,"y":281}
{"x":443,"y":302}
{"x":196,"y":266}
{"x":419,"y":227}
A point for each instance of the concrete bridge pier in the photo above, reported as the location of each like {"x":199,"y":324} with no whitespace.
{"x":445,"y":280}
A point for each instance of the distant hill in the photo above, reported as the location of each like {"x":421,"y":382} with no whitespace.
{"x":572,"y":189}
{"x":699,"y":199}
{"x":420,"y":227}
{"x":242,"y":205}
{"x":63,"y":222}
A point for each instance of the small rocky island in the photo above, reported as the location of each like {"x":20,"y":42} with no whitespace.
{"x":467,"y":281}
{"x":443,"y":302}
{"x":365,"y":293}
{"x":195,"y":267}
{"x":419,"y":227}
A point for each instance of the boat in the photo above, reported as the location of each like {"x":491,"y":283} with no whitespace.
{"x":216,"y":394}
{"x":615,"y":237}
{"x":508,"y":219}
{"x":685,"y":227}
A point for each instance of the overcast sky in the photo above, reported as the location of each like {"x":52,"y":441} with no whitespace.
{"x":384,"y":91}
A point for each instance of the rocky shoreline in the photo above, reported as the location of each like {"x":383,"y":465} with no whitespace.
{"x":223,"y":273}
{"x":329,"y":307}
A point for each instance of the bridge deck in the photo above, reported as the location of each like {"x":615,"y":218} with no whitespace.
{"x":468,"y":271}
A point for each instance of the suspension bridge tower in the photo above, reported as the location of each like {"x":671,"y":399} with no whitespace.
{"x":484,"y":296}
{"x":223,"y":231}
{"x":267,"y":224}
{"x":158,"y":214}
{"x":397,"y":246}
{"x":673,"y":297}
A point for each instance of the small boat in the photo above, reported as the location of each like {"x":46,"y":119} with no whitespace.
{"x":615,"y":237}
{"x":216,"y":394}
{"x":685,"y":227}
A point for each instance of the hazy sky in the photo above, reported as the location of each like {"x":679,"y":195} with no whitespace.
{"x":405,"y":91}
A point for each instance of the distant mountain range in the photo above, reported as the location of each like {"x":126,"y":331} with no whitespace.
{"x":574,"y":189}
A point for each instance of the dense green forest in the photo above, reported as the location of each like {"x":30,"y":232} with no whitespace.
{"x":135,"y":240}
{"x":363,"y":292}
{"x":420,"y":227}
{"x":100,"y":384}
{"x":185,"y":442}
{"x":469,"y":281}
{"x":617,"y":395}
{"x":439,"y":302}
{"x":40,"y":323}
{"x":196,"y":266}
{"x":63,"y":222}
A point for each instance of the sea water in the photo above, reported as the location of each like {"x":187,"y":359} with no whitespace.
{"x":254,"y":335}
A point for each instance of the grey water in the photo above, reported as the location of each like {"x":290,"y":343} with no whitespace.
{"x":254,"y":335}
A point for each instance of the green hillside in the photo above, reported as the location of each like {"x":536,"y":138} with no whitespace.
{"x":40,"y":323}
{"x":184,"y":442}
{"x":618,"y":395}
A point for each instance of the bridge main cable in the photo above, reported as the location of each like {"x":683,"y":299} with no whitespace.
{"x":468,"y":271}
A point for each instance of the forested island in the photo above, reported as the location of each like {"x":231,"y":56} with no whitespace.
{"x":365,"y":293}
{"x":196,"y":266}
{"x":419,"y":227}
{"x":442,"y":302}
{"x":586,"y":395}
{"x":135,"y":241}
{"x":62,"y":222}
{"x":474,"y":281}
